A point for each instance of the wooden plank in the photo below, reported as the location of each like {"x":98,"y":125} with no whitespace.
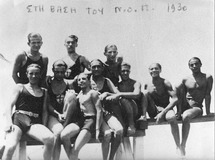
{"x":205,"y":118}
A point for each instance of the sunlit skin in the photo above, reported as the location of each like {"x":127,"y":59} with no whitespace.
{"x":111,"y":54}
{"x":33,"y":75}
{"x":154,"y":70}
{"x":96,"y":68}
{"x":35,"y":43}
{"x":71,"y":45}
{"x":193,"y":90}
{"x":195,"y":66}
{"x":59,"y":72}
{"x":83,"y":81}
{"x":125,"y":72}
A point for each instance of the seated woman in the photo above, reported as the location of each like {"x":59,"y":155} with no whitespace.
{"x":63,"y":104}
{"x":112,"y":112}
{"x":30,"y":115}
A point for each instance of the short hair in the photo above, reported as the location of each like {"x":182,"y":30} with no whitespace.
{"x":110,"y":46}
{"x":126,"y":64}
{"x":34,"y":65}
{"x":74,"y":37}
{"x":34,"y":35}
{"x":59,"y":63}
{"x":158,"y":64}
{"x":196,"y":58}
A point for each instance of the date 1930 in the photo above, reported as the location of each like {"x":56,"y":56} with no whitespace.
{"x":176,"y":7}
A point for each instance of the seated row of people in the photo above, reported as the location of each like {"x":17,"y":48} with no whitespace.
{"x":121,"y":103}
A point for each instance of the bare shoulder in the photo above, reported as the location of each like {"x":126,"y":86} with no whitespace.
{"x":21,"y":56}
{"x":94,"y":93}
{"x":44,"y":57}
{"x":209,"y":76}
{"x":18,"y":87}
{"x":167,"y":82}
{"x":83,"y":59}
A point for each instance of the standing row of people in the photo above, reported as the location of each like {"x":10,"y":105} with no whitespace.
{"x":81,"y":105}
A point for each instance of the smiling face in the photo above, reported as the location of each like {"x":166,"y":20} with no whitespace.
{"x":195,"y":65}
{"x":125,"y":72}
{"x":155,"y":70}
{"x":35,"y":43}
{"x":83,"y":81}
{"x":33,"y":74}
{"x":59,"y":72}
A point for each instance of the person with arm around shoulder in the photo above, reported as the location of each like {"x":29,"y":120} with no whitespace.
{"x":131,"y":98}
{"x":113,"y":121}
{"x":30,"y":115}
{"x":91,"y":117}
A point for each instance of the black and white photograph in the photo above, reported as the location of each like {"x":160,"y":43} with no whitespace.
{"x":107,"y":80}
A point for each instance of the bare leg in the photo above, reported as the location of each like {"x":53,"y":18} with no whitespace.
{"x":187,"y":115}
{"x":46,"y":137}
{"x":56,"y":127}
{"x":131,"y":110}
{"x":116,"y":126}
{"x":12,"y":139}
{"x":70,"y":109}
{"x":171,"y":118}
{"x":106,"y":140}
{"x":144,"y":104}
{"x":83,"y":137}
{"x":151,"y":107}
{"x":69,"y":131}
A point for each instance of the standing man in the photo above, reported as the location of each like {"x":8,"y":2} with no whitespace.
{"x":192,"y":91}
{"x":160,"y":106}
{"x":28,"y":57}
{"x":112,"y":64}
{"x":76,"y":63}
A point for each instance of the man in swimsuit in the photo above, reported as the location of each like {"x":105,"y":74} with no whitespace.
{"x":30,"y":115}
{"x":160,"y":106}
{"x":112,"y":64}
{"x":90,"y":106}
{"x":192,"y":91}
{"x":131,"y":98}
{"x":63,"y":107}
{"x":76,"y":63}
{"x":113,"y":121}
{"x":26,"y":58}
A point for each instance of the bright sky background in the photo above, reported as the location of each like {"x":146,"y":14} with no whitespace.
{"x":145,"y":32}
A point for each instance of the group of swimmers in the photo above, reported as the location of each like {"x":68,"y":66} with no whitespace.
{"x":75,"y":104}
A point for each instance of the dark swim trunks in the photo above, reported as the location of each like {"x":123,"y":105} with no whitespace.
{"x":24,"y":122}
{"x":88,"y":123}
